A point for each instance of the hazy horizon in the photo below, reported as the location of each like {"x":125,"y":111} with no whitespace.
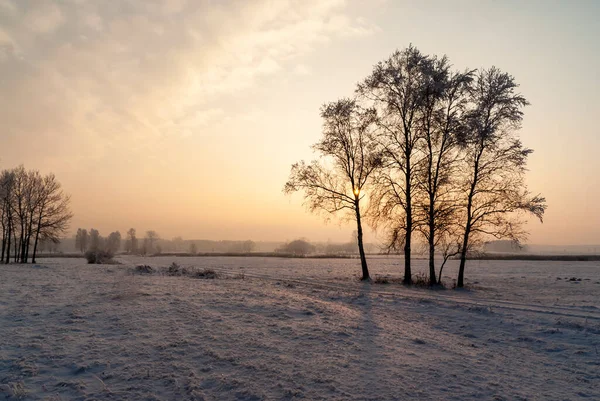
{"x":184,"y":117}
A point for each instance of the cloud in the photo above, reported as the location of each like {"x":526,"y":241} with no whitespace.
{"x":81,"y":72}
{"x":44,"y":18}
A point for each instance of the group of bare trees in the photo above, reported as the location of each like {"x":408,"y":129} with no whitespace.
{"x":434,"y":151}
{"x":33,"y":208}
{"x":93,"y":241}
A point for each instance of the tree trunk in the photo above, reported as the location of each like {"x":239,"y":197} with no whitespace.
{"x":361,"y":249}
{"x":463,"y":260}
{"x":463,"y":252}
{"x":37,"y":236}
{"x":432,"y":278}
{"x":3,"y":236}
{"x":17,"y":247}
{"x":8,"y":244}
{"x":407,"y":239}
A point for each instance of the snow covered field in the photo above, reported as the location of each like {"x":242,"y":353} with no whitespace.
{"x":298,"y":328}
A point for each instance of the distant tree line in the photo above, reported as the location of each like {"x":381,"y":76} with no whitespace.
{"x":33,"y":210}
{"x":153,"y":244}
{"x":93,"y":241}
{"x":424,"y":152}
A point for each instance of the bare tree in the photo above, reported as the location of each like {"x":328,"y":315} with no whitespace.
{"x":336,"y":182}
{"x":8,"y":219}
{"x":81,"y":240}
{"x":495,"y":163}
{"x":298,"y":247}
{"x":193,"y":248}
{"x":113,"y":242}
{"x":33,"y":208}
{"x":53,"y":213}
{"x":151,"y":237}
{"x":440,"y":122}
{"x":131,"y":244}
{"x":95,"y":240}
{"x":396,"y":87}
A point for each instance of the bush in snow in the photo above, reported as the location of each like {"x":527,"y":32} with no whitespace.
{"x":99,"y":257}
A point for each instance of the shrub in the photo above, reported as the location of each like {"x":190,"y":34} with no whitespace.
{"x":381,"y":280}
{"x":99,"y":257}
{"x":206,"y":273}
{"x":144,"y":269}
{"x":174,"y":270}
{"x":421,"y":280}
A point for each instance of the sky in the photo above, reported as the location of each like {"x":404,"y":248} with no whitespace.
{"x":185,"y":116}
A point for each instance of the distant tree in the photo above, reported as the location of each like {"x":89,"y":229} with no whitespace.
{"x":95,"y":240}
{"x":495,"y":164}
{"x":337,"y":182}
{"x":113,"y":242}
{"x":299,"y":247}
{"x":131,"y":244}
{"x":81,"y":240}
{"x":193,"y":248}
{"x":178,"y":244}
{"x":248,"y":246}
{"x":144,"y":249}
{"x":151,"y":237}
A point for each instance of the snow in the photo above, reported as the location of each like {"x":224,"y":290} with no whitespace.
{"x":271,"y":328}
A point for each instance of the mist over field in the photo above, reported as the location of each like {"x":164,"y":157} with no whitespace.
{"x":299,"y":199}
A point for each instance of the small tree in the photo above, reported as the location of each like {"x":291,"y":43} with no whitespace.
{"x":193,"y":248}
{"x":337,"y":182}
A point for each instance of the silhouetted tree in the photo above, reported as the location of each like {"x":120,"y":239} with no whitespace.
{"x":33,"y":208}
{"x":396,"y":87}
{"x":193,"y":248}
{"x":8,"y":220}
{"x":151,"y":237}
{"x":53,"y":213}
{"x":348,"y":159}
{"x":95,"y":240}
{"x":299,"y":247}
{"x":178,"y":244}
{"x":113,"y":242}
{"x":81,"y":240}
{"x":495,"y":162}
{"x":248,"y":246}
{"x":131,"y":244}
{"x":440,"y":123}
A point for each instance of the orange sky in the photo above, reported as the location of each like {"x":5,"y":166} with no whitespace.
{"x":185,"y":116}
